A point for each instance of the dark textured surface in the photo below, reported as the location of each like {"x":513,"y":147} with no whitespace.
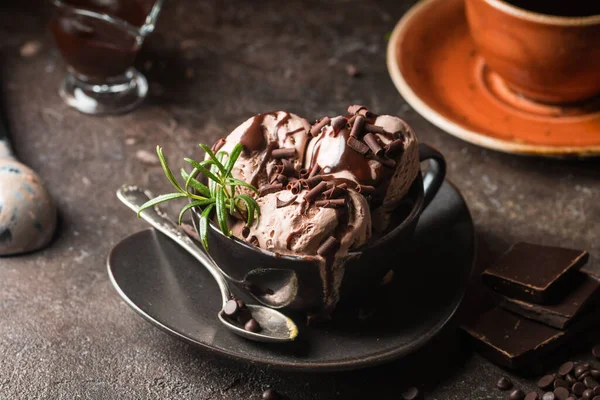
{"x":66,"y":334}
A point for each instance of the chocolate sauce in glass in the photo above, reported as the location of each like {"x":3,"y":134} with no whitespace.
{"x":94,"y":48}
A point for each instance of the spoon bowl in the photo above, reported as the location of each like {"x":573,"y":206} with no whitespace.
{"x":274,"y":287}
{"x":275,"y":327}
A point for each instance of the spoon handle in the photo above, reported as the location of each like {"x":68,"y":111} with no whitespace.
{"x":5,"y":150}
{"x":133,"y":197}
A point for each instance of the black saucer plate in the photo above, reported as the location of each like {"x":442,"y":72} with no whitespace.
{"x":167,"y":287}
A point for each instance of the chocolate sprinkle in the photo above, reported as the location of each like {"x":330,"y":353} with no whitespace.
{"x":357,"y":145}
{"x":218,"y":144}
{"x":357,"y":127}
{"x":286,"y":152}
{"x":373,"y":144}
{"x":331,"y":203}
{"x":267,"y":189}
{"x":328,"y":247}
{"x":316,"y":128}
{"x":395,"y":148}
{"x":314,"y":192}
{"x":314,"y":171}
{"x":285,"y":203}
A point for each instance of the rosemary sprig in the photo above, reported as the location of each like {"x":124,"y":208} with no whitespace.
{"x":222,"y":194}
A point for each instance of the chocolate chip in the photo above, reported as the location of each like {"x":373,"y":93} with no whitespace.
{"x":545,"y":382}
{"x":566,"y":368}
{"x":595,"y":373}
{"x":549,"y":396}
{"x":571,"y":398}
{"x":516,"y":394}
{"x":270,"y":394}
{"x":252,"y":325}
{"x":578,"y":388}
{"x":597,"y":390}
{"x":231,"y":308}
{"x":560,"y":383}
{"x":596,"y":398}
{"x":504,"y":383}
{"x":532,"y":396}
{"x":580,"y":369}
{"x":561,"y":393}
{"x":590,"y":382}
{"x":587,"y":394}
{"x":411,"y":393}
{"x":570,"y":378}
{"x":243,"y":316}
{"x":241,"y":304}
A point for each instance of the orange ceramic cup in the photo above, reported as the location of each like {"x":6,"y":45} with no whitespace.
{"x":547,"y":58}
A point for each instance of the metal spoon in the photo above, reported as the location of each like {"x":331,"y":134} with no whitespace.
{"x":27,"y":212}
{"x":275,"y":327}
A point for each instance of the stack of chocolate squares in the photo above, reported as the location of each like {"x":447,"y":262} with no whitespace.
{"x":541,"y":300}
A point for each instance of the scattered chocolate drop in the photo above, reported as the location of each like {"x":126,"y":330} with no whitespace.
{"x":271,"y":394}
{"x":252,"y":325}
{"x":231,"y":308}
{"x":595,"y":373}
{"x":561,"y":393}
{"x":549,"y":396}
{"x":411,"y":394}
{"x":559,"y":382}
{"x":597,"y":390}
{"x":570,"y":378}
{"x":588,"y":394}
{"x":532,"y":396}
{"x":545,"y":382}
{"x":578,"y":388}
{"x":566,"y":368}
{"x":504,"y":383}
{"x":516,"y":394}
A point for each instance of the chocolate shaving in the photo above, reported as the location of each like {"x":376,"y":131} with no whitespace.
{"x":329,"y":247}
{"x":288,"y":167}
{"x":357,"y":128}
{"x":314,"y":192}
{"x":366,"y":190}
{"x":303,"y":184}
{"x":285,"y":203}
{"x":303,"y":173}
{"x":375,"y":129}
{"x":314,"y":171}
{"x":279,"y":178}
{"x":356,"y":108}
{"x":388,"y":162}
{"x":218,"y":144}
{"x":267,"y":189}
{"x":295,"y":187}
{"x":331,"y":203}
{"x":286,"y":152}
{"x":352,"y":119}
{"x":395,"y":148}
{"x":335,"y":191}
{"x":316,"y":128}
{"x":357,"y":145}
{"x":338,"y":124}
{"x":314,"y":181}
{"x":373,"y":144}
{"x":366,"y":113}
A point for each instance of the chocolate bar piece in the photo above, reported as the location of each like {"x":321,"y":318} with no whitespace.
{"x":516,"y":342}
{"x":585,"y":291}
{"x":532,"y":272}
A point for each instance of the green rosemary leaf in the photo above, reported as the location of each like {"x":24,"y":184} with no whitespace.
{"x":237,"y":182}
{"x":202,"y":169}
{"x":160,"y":199}
{"x":251,"y":207}
{"x":167,"y":170}
{"x":213,"y":157}
{"x":222,"y":211}
{"x":203,"y":228}
{"x":190,"y":181}
{"x":235,"y":153}
{"x":198,"y":203}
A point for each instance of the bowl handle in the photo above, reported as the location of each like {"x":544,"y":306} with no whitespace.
{"x":434,"y":177}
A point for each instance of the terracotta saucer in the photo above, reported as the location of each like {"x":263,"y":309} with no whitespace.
{"x":433,"y":63}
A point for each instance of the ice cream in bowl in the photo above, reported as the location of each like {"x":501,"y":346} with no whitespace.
{"x":336,"y":202}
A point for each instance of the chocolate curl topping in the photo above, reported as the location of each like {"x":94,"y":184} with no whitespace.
{"x":334,"y":192}
{"x":314,"y":181}
{"x":294,"y":187}
{"x":267,"y":189}
{"x":367,"y":114}
{"x":285,"y":203}
{"x":373,"y":144}
{"x":338,"y":124}
{"x":218,"y":144}
{"x":355,"y":109}
{"x":287,"y":152}
{"x":352,"y":119}
{"x":357,"y":128}
{"x":388,"y":162}
{"x":303,"y":184}
{"x":375,"y":129}
{"x":331,"y":203}
{"x":288,"y":167}
{"x":366,"y":190}
{"x":357,"y":145}
{"x":395,"y":148}
{"x":279,"y":178}
{"x":303,"y":173}
{"x":314,"y":171}
{"x":329,"y":247}
{"x":314,"y":192}
{"x":316,"y":128}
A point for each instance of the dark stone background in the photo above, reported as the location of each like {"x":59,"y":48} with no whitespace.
{"x":64,"y":332}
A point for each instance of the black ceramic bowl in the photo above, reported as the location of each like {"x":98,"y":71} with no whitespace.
{"x":366,"y":266}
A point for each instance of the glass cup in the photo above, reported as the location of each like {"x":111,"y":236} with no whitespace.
{"x":99,"y":40}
